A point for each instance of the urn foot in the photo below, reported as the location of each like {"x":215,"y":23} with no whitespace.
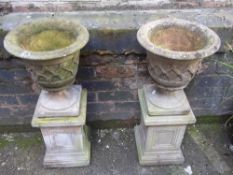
{"x":59,"y":104}
{"x":165,"y":102}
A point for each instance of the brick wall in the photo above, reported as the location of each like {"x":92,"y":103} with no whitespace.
{"x":112,"y":82}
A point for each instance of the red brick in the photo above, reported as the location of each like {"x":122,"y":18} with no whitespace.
{"x":115,"y":71}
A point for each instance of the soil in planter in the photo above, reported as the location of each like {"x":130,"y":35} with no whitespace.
{"x":48,"y":40}
{"x":178,"y":39}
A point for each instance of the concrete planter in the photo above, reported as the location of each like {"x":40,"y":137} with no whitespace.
{"x":175,"y":48}
{"x":53,"y":69}
{"x":50,"y":47}
{"x":173,"y":68}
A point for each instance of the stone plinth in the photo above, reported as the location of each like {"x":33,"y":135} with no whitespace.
{"x":66,"y":138}
{"x":159,"y":137}
{"x":165,"y":102}
{"x":59,"y":104}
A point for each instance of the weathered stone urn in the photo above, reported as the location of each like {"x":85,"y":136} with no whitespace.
{"x":53,"y":67}
{"x":50,"y":48}
{"x":175,"y":49}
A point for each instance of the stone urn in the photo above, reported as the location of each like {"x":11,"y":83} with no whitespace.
{"x":175,"y":49}
{"x":50,"y":48}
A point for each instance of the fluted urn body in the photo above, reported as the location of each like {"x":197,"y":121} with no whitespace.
{"x":175,"y":49}
{"x":50,"y":47}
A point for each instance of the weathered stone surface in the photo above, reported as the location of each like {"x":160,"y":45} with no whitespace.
{"x":159,"y":137}
{"x":59,"y":104}
{"x":65,"y":137}
{"x":167,"y":103}
{"x":74,"y":5}
{"x":106,"y":27}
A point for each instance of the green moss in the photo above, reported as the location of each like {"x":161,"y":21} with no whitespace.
{"x":3,"y":143}
{"x":48,"y":40}
{"x":20,"y":140}
{"x":211,"y":119}
{"x":2,"y":32}
{"x":27,"y":142}
{"x":17,"y":128}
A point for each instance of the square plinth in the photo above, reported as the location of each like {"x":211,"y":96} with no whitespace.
{"x":66,"y":146}
{"x":154,"y":110}
{"x":59,"y":104}
{"x":159,"y":145}
{"x":66,"y":138}
{"x":158,"y":138}
{"x":163,"y":119}
{"x":52,"y":121}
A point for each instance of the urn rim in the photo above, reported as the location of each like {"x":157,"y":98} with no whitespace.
{"x":12,"y":45}
{"x":211,"y":46}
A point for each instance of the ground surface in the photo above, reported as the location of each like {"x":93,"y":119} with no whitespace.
{"x":206,"y":149}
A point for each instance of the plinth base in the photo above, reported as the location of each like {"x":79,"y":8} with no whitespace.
{"x":159,"y":156}
{"x":158,"y":138}
{"x":72,"y":149}
{"x":66,"y":138}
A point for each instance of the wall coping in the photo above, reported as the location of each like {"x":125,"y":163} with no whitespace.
{"x":121,"y":26}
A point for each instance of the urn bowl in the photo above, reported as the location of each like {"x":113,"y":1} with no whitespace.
{"x":50,"y":47}
{"x":175,"y":49}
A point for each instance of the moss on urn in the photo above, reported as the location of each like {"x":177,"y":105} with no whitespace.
{"x":50,"y":47}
